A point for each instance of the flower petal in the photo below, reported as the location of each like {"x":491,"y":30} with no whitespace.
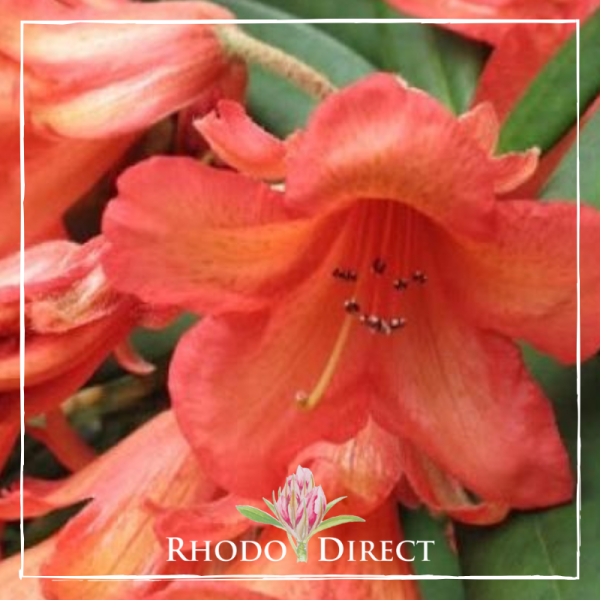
{"x":242,"y":144}
{"x":206,"y":590}
{"x":50,"y":266}
{"x":378,"y":139}
{"x":441,"y":493}
{"x":257,"y":366}
{"x":112,"y":88}
{"x":463,"y":397}
{"x":49,"y":356}
{"x":481,"y":123}
{"x":511,"y":170}
{"x":365,"y":469}
{"x":130,"y":359}
{"x":183,"y":233}
{"x":9,"y":98}
{"x":118,"y":465}
{"x":113,"y":534}
{"x":211,"y":521}
{"x":73,"y":317}
{"x":232,"y":86}
{"x":57,"y":173}
{"x":493,"y":32}
{"x":29,"y":588}
{"x":523,"y":282}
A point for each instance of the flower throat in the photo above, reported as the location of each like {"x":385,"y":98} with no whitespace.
{"x":377,"y":275}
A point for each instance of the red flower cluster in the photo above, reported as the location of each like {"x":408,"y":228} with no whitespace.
{"x":362,"y":285}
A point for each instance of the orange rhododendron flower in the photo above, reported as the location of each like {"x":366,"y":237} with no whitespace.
{"x":494,"y":9}
{"x":73,"y":320}
{"x":91,"y":90}
{"x":386,"y":281}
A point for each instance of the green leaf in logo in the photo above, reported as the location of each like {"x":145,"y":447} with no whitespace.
{"x":334,"y":521}
{"x":259,"y":516}
{"x":333,"y":503}
{"x":271,"y":506}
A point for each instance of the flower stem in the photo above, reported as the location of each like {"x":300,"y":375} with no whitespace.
{"x":301,"y":552}
{"x":240,"y":44}
{"x":117,"y":395}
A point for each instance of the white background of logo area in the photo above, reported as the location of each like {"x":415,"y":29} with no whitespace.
{"x":282,"y":23}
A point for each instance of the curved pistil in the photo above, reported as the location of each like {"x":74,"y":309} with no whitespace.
{"x":309,"y":401}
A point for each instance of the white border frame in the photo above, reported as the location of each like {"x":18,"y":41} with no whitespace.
{"x":294,"y":577}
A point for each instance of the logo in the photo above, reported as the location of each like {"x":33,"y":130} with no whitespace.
{"x":300,"y":511}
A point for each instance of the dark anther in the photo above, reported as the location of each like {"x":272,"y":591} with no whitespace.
{"x":385,"y":327}
{"x":419,"y":277}
{"x":374,"y":322}
{"x":345,"y":274}
{"x":378,"y":266}
{"x":351,"y":307}
{"x":397,"y":323}
{"x":401,"y":284}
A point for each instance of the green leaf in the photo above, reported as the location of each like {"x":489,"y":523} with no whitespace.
{"x":428,"y":57}
{"x":357,"y":36}
{"x":563,"y":183}
{"x":553,"y":94}
{"x":334,"y":521}
{"x":259,"y":516}
{"x":437,"y":61}
{"x":420,"y":525}
{"x":279,"y":106}
{"x":333,"y":503}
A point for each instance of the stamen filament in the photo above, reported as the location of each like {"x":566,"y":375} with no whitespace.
{"x":308,"y":402}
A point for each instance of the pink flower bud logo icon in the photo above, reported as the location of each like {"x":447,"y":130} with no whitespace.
{"x":299,"y":510}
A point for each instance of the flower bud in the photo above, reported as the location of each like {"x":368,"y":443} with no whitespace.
{"x":73,"y":320}
{"x":301,"y":506}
